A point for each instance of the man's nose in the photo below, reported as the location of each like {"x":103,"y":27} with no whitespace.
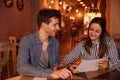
{"x":58,"y":28}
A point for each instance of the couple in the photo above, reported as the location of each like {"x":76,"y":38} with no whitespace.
{"x":39,"y":52}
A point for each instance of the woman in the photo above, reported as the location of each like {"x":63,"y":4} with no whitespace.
{"x":97,"y":45}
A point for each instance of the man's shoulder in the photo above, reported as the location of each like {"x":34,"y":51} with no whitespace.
{"x":31,"y":37}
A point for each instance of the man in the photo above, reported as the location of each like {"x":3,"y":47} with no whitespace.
{"x":39,"y":52}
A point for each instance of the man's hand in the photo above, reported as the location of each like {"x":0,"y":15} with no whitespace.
{"x":62,"y":73}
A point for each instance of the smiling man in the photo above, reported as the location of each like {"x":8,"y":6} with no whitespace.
{"x":39,"y":52}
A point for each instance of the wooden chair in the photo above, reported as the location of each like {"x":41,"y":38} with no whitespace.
{"x":13,"y":50}
{"x":4,"y":57}
{"x":12,"y":39}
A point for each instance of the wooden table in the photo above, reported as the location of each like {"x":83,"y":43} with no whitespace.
{"x":94,"y":75}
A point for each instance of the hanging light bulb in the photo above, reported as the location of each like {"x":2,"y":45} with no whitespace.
{"x":52,"y":1}
{"x":76,"y":10}
{"x":60,"y":3}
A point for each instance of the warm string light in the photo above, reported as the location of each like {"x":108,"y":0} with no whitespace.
{"x":81,"y":3}
{"x":60,"y":3}
{"x":52,"y":1}
{"x":50,"y":7}
{"x":76,"y":10}
{"x":72,"y":18}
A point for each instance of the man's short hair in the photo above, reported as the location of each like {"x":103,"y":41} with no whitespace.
{"x":44,"y":15}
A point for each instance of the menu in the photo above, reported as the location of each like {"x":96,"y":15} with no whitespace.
{"x":88,"y":65}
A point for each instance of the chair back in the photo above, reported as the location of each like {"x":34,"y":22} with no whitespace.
{"x":4,"y":53}
{"x":12,"y":39}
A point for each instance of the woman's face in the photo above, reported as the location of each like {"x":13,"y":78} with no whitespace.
{"x":95,"y":32}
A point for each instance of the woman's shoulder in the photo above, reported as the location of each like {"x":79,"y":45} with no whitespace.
{"x":81,"y":43}
{"x":108,"y":39}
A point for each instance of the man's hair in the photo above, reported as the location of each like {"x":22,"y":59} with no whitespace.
{"x":44,"y":15}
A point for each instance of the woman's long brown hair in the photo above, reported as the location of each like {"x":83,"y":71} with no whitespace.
{"x":102,"y":45}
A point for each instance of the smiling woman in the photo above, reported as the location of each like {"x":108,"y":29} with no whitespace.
{"x":8,"y":3}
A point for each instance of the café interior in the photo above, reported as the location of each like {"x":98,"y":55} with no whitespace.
{"x":18,"y":18}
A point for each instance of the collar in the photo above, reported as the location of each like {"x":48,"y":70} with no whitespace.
{"x":97,"y":44}
{"x":39,"y":41}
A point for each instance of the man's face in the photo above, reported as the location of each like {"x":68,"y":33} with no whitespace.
{"x":52,"y":27}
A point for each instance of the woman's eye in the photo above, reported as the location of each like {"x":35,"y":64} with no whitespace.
{"x":91,"y":29}
{"x":97,"y":31}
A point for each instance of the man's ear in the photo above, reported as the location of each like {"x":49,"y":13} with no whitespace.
{"x":43,"y":25}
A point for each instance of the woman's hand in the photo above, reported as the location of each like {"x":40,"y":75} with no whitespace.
{"x":103,"y":63}
{"x":72,"y":67}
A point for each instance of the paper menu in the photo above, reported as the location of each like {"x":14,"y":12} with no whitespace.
{"x":88,"y":65}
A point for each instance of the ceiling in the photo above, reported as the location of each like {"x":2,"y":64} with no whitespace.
{"x":93,"y":5}
{"x":88,"y":3}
